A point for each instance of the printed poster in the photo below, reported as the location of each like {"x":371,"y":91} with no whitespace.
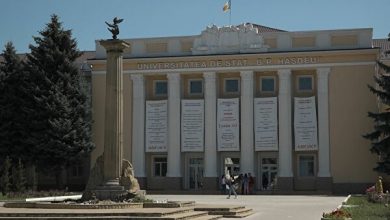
{"x":192,"y":125}
{"x":156,"y":126}
{"x":305,"y":124}
{"x":266,"y":124}
{"x":228,"y":125}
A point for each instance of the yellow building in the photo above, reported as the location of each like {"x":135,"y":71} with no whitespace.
{"x":290,"y":108}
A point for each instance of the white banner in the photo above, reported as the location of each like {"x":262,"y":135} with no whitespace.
{"x":156,"y":126}
{"x":266,"y":124}
{"x":192,"y":125}
{"x":228,"y":125}
{"x":305,"y":124}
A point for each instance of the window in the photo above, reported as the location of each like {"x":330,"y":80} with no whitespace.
{"x":195,"y":87}
{"x":160,"y":166}
{"x":161,"y":88}
{"x":305,"y":83}
{"x":232,"y":85}
{"x":306,"y":166}
{"x":267,"y":84}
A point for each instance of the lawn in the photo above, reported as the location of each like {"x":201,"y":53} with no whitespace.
{"x":360,"y":208}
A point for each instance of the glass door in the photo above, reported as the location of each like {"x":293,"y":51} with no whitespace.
{"x":196,"y":173}
{"x":269,"y":172}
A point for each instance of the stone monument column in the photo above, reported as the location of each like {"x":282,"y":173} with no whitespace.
{"x":113,"y":131}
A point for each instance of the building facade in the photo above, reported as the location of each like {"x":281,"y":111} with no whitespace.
{"x":290,"y":108}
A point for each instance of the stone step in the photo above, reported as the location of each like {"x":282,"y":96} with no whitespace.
{"x":152,"y":212}
{"x":240,"y":215}
{"x":194,"y":215}
{"x":217,"y":208}
{"x":236,"y":212}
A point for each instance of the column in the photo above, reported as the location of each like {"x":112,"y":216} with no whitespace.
{"x":138,"y":128}
{"x":285,"y":137}
{"x":174,"y":125}
{"x":210,"y":143}
{"x":113,"y":131}
{"x":323,"y":122}
{"x":247,"y":150}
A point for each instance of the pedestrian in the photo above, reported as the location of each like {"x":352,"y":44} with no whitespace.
{"x":251,"y":183}
{"x":223,"y":184}
{"x":264,"y":181}
{"x":245,"y":184}
{"x":230,"y":186}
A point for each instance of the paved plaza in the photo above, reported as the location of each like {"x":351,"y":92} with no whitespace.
{"x":272,"y":207}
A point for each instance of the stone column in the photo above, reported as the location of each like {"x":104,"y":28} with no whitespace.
{"x":324,"y":181}
{"x":113,"y":131}
{"x":210,"y":126}
{"x":247,"y":149}
{"x":174,"y":162}
{"x":285,"y":175}
{"x":138,"y":131}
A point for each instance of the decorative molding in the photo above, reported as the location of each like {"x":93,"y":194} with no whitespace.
{"x":229,"y":39}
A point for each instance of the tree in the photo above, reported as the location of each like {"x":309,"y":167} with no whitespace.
{"x":380,"y":137}
{"x":60,"y":126}
{"x":5,"y":183}
{"x":13,"y":121}
{"x":18,"y":177}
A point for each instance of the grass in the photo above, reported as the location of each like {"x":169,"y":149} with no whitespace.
{"x":365,"y":210}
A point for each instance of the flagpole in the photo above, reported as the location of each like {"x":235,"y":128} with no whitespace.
{"x":230,"y":12}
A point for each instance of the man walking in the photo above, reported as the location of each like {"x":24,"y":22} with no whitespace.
{"x":230,"y":185}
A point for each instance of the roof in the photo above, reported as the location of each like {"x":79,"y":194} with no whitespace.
{"x":264,"y":29}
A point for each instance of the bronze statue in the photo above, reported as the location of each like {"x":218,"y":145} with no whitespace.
{"x":113,"y":28}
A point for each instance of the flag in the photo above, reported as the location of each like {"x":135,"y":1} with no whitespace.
{"x":226,"y":6}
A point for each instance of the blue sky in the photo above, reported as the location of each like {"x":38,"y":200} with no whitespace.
{"x":22,"y":19}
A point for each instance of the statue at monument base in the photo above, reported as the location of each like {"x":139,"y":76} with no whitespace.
{"x":127,"y":181}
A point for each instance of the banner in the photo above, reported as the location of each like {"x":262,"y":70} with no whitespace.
{"x":192,"y":125}
{"x":266,"y":124}
{"x":228,"y":125}
{"x":156,"y":126}
{"x":305,"y":124}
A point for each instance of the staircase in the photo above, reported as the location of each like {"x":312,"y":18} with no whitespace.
{"x":167,"y":211}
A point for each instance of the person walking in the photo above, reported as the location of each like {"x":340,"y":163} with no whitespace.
{"x":223,"y":184}
{"x":230,"y":186}
{"x":245,"y":184}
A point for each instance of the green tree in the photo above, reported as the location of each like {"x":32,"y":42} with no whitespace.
{"x":18,"y":177}
{"x":380,"y":137}
{"x":59,"y":114}
{"x":5,"y":183}
{"x":13,"y":132}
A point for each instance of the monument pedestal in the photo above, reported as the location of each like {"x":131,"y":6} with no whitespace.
{"x":111,"y":190}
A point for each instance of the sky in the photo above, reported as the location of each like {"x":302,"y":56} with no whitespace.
{"x":20,"y":20}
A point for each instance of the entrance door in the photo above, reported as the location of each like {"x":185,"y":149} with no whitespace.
{"x":196,"y":173}
{"x":269,"y":171}
{"x":232,"y":166}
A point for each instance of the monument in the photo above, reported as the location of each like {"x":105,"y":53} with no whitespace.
{"x":109,"y":179}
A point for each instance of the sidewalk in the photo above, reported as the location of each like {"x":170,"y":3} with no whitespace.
{"x":268,"y":207}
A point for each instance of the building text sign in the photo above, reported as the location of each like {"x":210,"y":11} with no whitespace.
{"x":305,"y":124}
{"x":266,"y":124}
{"x":192,"y":125}
{"x":156,"y":126}
{"x":228,"y":126}
{"x":228,"y":63}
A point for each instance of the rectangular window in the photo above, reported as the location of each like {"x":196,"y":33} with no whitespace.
{"x":232,"y":85}
{"x":267,"y":84}
{"x":305,"y":83}
{"x":160,"y":166}
{"x":160,"y":88}
{"x":195,"y":87}
{"x":306,"y":166}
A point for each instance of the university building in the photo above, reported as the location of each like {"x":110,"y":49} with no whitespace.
{"x":290,"y":108}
